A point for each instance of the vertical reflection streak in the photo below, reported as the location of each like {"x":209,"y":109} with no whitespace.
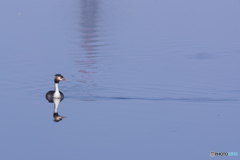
{"x":86,"y":56}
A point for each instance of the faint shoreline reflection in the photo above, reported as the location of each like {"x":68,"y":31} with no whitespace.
{"x":88,"y":45}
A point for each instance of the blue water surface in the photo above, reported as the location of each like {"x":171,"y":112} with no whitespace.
{"x":146,"y":79}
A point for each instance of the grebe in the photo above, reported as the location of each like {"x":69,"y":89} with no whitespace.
{"x":56,"y":94}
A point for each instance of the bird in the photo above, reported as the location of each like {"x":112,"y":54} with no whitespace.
{"x":56,"y":94}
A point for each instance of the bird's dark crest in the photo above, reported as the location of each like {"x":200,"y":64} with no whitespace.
{"x":59,"y":75}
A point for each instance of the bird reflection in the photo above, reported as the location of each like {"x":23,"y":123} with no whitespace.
{"x":56,"y":101}
{"x":56,"y":116}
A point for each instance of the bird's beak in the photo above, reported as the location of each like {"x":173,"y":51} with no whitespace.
{"x":64,"y":79}
{"x":63,"y":117}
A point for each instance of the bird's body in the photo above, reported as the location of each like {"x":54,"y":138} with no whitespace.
{"x":50,"y":96}
{"x":55,"y":94}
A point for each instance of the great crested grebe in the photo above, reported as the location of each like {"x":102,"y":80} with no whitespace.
{"x":56,"y":94}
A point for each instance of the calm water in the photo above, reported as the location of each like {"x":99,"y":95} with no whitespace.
{"x":146,"y":79}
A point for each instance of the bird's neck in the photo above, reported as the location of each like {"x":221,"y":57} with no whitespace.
{"x":56,"y":87}
{"x":56,"y":93}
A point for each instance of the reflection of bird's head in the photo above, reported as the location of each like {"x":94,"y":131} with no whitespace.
{"x":58,"y":78}
{"x":57,"y":118}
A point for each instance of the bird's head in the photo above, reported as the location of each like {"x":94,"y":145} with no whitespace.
{"x":58,"y":78}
